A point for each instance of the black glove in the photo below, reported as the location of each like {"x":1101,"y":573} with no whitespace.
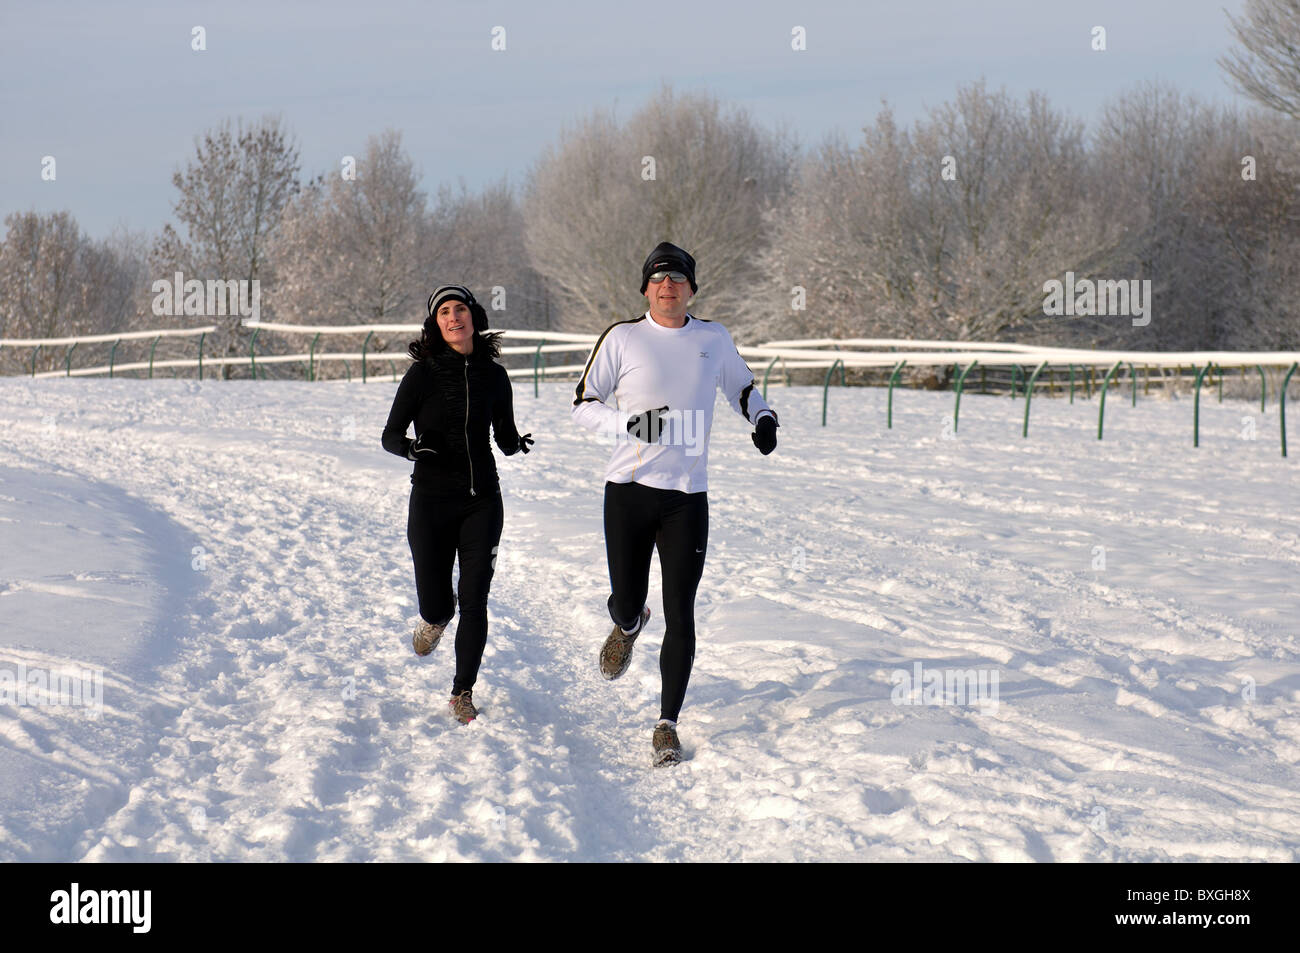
{"x":418,"y":450}
{"x":647,"y":426}
{"x":764,"y":435}
{"x":525,"y":444}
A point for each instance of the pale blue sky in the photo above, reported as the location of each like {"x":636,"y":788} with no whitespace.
{"x":113,"y":91}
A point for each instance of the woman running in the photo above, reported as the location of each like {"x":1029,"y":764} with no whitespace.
{"x":451,"y":393}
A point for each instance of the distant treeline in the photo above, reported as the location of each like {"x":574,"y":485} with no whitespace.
{"x":948,"y":229}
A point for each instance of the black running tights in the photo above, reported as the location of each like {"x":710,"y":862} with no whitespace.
{"x":438,"y":528}
{"x":637,"y":520}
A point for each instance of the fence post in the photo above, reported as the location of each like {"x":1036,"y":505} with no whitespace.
{"x":112,"y":357}
{"x":770,"y":365}
{"x":364,"y":347}
{"x":1072,"y":383}
{"x":1088,"y":382}
{"x":1016,"y":372}
{"x":1133,"y":384}
{"x":153,"y":348}
{"x":826,"y":385}
{"x":961,"y":382}
{"x":537,"y":360}
{"x":1146,"y":380}
{"x":893,"y":379}
{"x":67,"y":360}
{"x":348,"y":367}
{"x":311,"y":356}
{"x":1029,"y":393}
{"x":1263,"y":386}
{"x":1104,"y":385}
{"x":394,"y":367}
{"x":1281,"y":404}
{"x":201,"y":337}
{"x":38,"y":351}
{"x":252,"y":357}
{"x":1196,"y":407}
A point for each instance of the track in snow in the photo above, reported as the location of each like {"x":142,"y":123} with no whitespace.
{"x":267,"y":706}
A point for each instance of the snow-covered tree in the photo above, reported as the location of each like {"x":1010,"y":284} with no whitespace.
{"x":681,"y":169}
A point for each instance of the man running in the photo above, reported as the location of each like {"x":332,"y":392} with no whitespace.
{"x":650,"y":382}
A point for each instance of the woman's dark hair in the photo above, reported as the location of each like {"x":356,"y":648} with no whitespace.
{"x":431,"y":343}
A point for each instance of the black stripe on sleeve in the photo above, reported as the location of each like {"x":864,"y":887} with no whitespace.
{"x":744,"y":400}
{"x":578,"y":396}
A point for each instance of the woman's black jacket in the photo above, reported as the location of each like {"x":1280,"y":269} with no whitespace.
{"x":452,"y":398}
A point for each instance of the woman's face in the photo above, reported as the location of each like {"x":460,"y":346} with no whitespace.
{"x":456,"y":323}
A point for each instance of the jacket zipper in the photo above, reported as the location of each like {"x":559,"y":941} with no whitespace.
{"x":467,"y":454}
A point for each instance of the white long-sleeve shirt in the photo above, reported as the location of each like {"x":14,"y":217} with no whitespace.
{"x":641,"y":365}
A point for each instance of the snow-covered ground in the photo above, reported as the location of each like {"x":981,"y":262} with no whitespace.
{"x":232,"y":558}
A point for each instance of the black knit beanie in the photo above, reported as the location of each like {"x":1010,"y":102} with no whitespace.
{"x":668,"y":257}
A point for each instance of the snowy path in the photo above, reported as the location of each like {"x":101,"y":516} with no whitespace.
{"x":272,"y":709}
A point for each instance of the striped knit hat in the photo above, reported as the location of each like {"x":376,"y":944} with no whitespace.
{"x":445,"y":293}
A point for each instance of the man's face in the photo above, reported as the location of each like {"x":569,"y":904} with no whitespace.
{"x":668,"y":299}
